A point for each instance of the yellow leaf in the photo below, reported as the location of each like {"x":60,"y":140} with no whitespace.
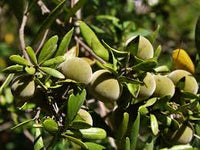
{"x":182,"y":60}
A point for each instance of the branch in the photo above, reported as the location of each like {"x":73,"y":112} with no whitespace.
{"x":29,"y":135}
{"x":89,"y":50}
{"x":42,"y":41}
{"x":21,"y":33}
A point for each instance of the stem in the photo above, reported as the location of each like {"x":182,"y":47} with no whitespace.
{"x":21,"y":33}
{"x":89,"y":50}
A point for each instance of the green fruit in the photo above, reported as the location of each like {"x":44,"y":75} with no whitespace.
{"x":148,"y":88}
{"x":183,"y":135}
{"x":23,"y":87}
{"x":145,"y":48}
{"x":191,"y":84}
{"x":164,"y":86}
{"x":84,"y":115}
{"x":104,"y":86}
{"x":77,"y":69}
{"x":50,"y":125}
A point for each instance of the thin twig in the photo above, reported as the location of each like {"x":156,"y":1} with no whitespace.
{"x":29,"y":135}
{"x":89,"y":50}
{"x":5,"y":126}
{"x":21,"y":32}
{"x":42,"y":41}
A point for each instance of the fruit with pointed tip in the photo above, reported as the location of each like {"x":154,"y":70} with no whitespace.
{"x":164,"y":86}
{"x":190,"y":82}
{"x":145,"y":48}
{"x":104,"y":86}
{"x":23,"y":87}
{"x":77,"y":69}
{"x":148,"y":88}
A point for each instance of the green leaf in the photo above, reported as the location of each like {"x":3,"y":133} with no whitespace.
{"x":6,"y":82}
{"x":80,"y":124}
{"x":19,"y":60}
{"x":127,"y":144}
{"x":30,"y":70}
{"x":14,"y":68}
{"x":38,"y":141}
{"x":154,"y":124}
{"x":133,"y":88}
{"x":93,"y":133}
{"x":154,"y":35}
{"x":146,"y":65}
{"x":92,"y":40}
{"x":158,"y":52}
{"x":63,"y":47}
{"x":162,"y":69}
{"x":50,"y":125}
{"x":134,"y":132}
{"x":48,"y":21}
{"x":149,"y":146}
{"x":76,"y":141}
{"x":94,"y":146}
{"x":132,"y":46}
{"x":48,"y":49}
{"x":150,"y":102}
{"x":197,"y":35}
{"x":123,"y":126}
{"x":31,"y":54}
{"x":74,"y":104}
{"x":75,"y":8}
{"x":124,"y":79}
{"x":52,"y":72}
{"x":54,"y":61}
{"x":21,"y":124}
{"x":180,"y":147}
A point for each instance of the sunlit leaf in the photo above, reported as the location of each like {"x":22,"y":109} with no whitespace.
{"x":154,"y":124}
{"x":14,"y":68}
{"x":94,"y":146}
{"x":123,"y":126}
{"x":48,"y":49}
{"x":31,"y":54}
{"x":52,"y":72}
{"x":38,"y":141}
{"x":19,"y":60}
{"x":54,"y":61}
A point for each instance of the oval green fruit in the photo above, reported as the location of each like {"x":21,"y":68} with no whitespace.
{"x":145,"y":48}
{"x":104,"y":86}
{"x":50,"y":125}
{"x":191,"y":84}
{"x":84,"y":115}
{"x":23,"y":87}
{"x":164,"y":86}
{"x":148,"y":88}
{"x":77,"y":69}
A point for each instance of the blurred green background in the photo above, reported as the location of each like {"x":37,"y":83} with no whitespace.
{"x":114,"y":21}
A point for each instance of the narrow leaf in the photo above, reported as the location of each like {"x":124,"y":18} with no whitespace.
{"x":127,"y":144}
{"x":38,"y":141}
{"x":31,"y":54}
{"x":19,"y":60}
{"x":132,"y":46}
{"x":6,"y":82}
{"x":135,"y":132}
{"x":52,"y":72}
{"x":154,"y":124}
{"x":48,"y":21}
{"x":63,"y":47}
{"x":75,"y":8}
{"x":14,"y":68}
{"x":48,"y":49}
{"x":93,"y":133}
{"x":54,"y":61}
{"x":123,"y":126}
{"x":74,"y":104}
{"x":94,"y":146}
{"x":92,"y":40}
{"x":76,"y":141}
{"x":146,"y":65}
{"x":133,"y":89}
{"x":21,"y":124}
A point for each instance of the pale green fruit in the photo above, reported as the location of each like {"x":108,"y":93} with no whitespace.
{"x":104,"y":86}
{"x":183,"y":135}
{"x":23,"y":88}
{"x":145,"y":48}
{"x":77,"y":69}
{"x":85,"y":116}
{"x":164,"y":86}
{"x":148,"y":88}
{"x":191,"y":84}
{"x":50,"y":125}
{"x":186,"y":137}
